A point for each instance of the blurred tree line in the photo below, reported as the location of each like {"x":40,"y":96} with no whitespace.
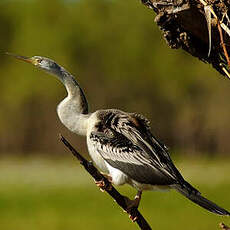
{"x":121,"y":61}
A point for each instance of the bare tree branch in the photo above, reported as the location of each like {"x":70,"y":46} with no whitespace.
{"x":120,"y":199}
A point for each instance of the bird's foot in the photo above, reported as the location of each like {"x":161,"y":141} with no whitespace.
{"x":133,"y":218}
{"x":101,"y":185}
{"x":104,"y":186}
{"x":133,"y":205}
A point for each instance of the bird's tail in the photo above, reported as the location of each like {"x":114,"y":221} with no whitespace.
{"x":194,"y":195}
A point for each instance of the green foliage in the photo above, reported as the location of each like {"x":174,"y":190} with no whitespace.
{"x":120,"y":59}
{"x":49,"y":194}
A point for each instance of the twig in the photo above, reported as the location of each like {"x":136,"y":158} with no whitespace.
{"x":121,"y":201}
{"x":224,"y":227}
{"x":223,"y":44}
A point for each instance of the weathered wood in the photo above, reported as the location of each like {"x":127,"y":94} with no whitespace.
{"x":121,"y":200}
{"x":185,"y":24}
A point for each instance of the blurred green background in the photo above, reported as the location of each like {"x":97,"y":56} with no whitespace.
{"x":117,"y":54}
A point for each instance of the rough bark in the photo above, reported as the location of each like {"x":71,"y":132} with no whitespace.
{"x":200,"y":27}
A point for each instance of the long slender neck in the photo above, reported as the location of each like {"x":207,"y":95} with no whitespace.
{"x":75,"y":92}
{"x":73,"y":110}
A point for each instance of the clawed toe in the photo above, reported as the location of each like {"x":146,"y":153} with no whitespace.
{"x":104,"y":186}
{"x":133,"y":218}
{"x":101,"y":185}
{"x":131,"y":207}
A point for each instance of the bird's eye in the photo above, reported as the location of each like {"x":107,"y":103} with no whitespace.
{"x":39,"y":61}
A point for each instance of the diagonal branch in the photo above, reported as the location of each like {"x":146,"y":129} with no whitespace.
{"x":120,"y":199}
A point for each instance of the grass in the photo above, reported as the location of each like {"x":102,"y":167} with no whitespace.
{"x":38,"y":193}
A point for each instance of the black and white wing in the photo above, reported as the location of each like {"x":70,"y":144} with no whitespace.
{"x":125,"y":142}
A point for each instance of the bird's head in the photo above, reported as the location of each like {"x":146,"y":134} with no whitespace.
{"x":43,"y":63}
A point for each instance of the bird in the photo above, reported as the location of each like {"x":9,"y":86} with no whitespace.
{"x":120,"y":143}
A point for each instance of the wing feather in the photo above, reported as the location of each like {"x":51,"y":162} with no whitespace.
{"x":126,"y":143}
{"x":128,"y":158}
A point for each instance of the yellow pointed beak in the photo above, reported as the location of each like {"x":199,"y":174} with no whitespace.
{"x":22,"y":58}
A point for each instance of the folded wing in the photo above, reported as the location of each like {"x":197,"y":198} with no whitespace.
{"x":126,"y":143}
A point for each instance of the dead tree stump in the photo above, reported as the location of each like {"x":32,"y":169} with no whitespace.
{"x":200,"y":27}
